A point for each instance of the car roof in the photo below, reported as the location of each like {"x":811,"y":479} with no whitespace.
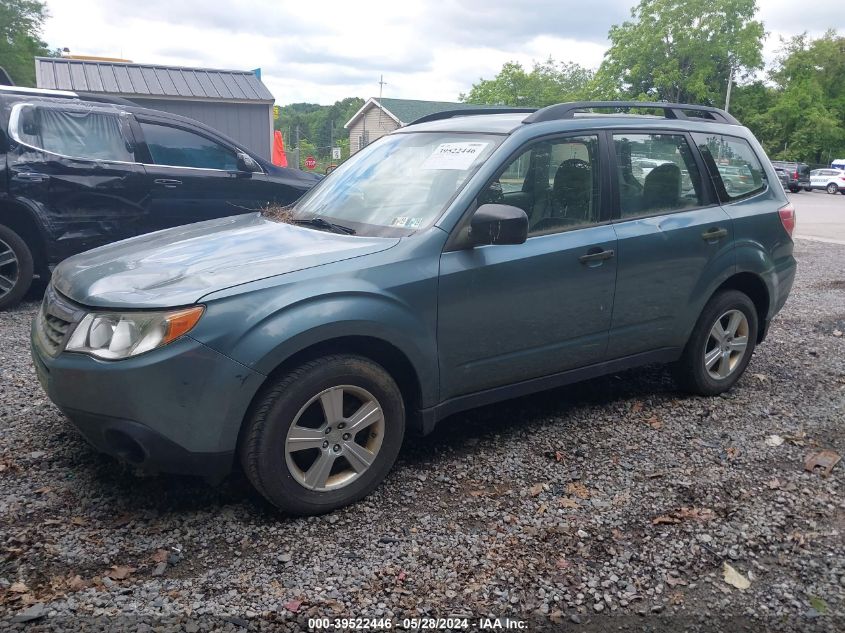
{"x":41,"y":97}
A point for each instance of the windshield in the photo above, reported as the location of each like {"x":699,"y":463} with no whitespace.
{"x":399,"y":184}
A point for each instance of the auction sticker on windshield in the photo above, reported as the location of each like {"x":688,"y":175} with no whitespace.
{"x":454,"y":155}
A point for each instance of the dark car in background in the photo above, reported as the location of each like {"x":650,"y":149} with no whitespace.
{"x":77,"y":174}
{"x":798,"y":174}
{"x":783,"y":177}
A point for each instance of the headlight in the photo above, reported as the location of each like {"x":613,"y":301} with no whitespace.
{"x":113,"y":335}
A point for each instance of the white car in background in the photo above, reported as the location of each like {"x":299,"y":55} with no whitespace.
{"x":831,"y":180}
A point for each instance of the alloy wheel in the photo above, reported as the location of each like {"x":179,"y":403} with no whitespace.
{"x":9,"y":268}
{"x":334,"y":438}
{"x":726,"y":345}
{"x":832,"y":188}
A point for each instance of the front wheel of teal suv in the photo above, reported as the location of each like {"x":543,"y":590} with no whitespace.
{"x":323,"y":435}
{"x":720,"y":346}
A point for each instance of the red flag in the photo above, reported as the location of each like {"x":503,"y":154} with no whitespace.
{"x":279,"y":157}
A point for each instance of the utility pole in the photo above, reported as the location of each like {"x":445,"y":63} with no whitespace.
{"x":381,"y":84}
{"x":730,"y":85}
{"x":298,"y":153}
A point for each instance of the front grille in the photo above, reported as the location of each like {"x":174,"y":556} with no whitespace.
{"x":54,"y":321}
{"x":54,"y":330}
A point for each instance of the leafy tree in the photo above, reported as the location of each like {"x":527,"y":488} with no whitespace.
{"x":20,"y":41}
{"x":681,"y":50}
{"x":546,"y":83}
{"x":807,"y":121}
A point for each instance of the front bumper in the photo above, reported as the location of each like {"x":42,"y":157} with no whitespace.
{"x":175,"y":409}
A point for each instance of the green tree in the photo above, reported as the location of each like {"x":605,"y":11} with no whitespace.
{"x":806,"y":120}
{"x":20,"y":38}
{"x":546,"y":83}
{"x":320,"y":127}
{"x":681,"y":50}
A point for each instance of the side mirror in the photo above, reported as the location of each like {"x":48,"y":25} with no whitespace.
{"x":247,"y":163}
{"x":498,"y":224}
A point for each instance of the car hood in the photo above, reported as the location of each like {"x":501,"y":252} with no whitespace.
{"x":178,"y":266}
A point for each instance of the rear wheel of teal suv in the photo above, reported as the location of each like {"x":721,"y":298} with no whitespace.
{"x":720,"y":346}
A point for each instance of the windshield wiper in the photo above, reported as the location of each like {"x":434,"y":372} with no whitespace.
{"x":322,"y":223}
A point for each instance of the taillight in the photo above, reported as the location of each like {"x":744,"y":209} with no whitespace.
{"x":787,"y":218}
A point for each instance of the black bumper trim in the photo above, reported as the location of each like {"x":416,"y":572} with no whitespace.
{"x":143,"y":447}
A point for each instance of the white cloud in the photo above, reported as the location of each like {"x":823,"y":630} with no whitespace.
{"x":325,"y":51}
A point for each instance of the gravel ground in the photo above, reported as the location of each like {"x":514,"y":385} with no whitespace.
{"x":616,"y":502}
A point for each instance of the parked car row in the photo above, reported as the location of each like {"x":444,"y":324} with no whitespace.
{"x":798,"y":175}
{"x":78,"y":174}
{"x":408,"y":285}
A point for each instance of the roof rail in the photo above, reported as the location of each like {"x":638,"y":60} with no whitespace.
{"x":449,"y":114}
{"x":670,"y":110}
{"x":43,"y":92}
{"x":66,"y":94}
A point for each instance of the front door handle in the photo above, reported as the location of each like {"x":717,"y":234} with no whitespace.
{"x":30,"y":177}
{"x":168,"y":183}
{"x":716,"y":233}
{"x":596,"y":256}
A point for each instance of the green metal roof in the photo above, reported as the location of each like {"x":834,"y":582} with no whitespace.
{"x":409,"y":110}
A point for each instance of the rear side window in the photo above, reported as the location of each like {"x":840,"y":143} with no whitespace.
{"x":179,"y":148}
{"x":73,"y":132}
{"x":657,"y":174}
{"x":733,"y":165}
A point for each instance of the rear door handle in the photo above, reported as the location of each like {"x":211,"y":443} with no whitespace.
{"x":716,"y":233}
{"x":30,"y":177}
{"x":596,"y":257}
{"x":168,"y":183}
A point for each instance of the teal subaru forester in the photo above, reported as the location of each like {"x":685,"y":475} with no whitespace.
{"x":468,"y":258}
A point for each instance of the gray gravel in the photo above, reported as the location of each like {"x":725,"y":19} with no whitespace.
{"x":617,"y":498}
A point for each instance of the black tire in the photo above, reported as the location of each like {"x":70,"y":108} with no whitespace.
{"x":795,"y":189}
{"x":20,"y":272}
{"x":810,"y":189}
{"x":262,"y":445}
{"x":690,"y":372}
{"x":832,"y":188}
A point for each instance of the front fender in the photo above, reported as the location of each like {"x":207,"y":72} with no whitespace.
{"x":271,"y":329}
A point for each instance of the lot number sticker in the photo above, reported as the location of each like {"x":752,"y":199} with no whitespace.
{"x":454,"y":155}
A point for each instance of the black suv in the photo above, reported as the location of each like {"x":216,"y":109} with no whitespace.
{"x":79,"y":173}
{"x":798,"y":175}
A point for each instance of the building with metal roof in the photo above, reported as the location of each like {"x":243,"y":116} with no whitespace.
{"x":381,"y":116}
{"x":235,"y":102}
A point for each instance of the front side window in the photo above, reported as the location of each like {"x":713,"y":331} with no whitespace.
{"x":733,"y":165}
{"x":176,"y":147}
{"x":73,"y":132}
{"x":555,"y":182}
{"x":656,"y":173}
{"x":400,"y":183}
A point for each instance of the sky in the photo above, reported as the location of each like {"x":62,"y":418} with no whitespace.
{"x":323,"y":51}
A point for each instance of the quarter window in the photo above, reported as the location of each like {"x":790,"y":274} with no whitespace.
{"x":179,"y":148}
{"x":733,"y":165}
{"x":555,"y":182}
{"x":656,"y":173}
{"x":74,"y":132}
